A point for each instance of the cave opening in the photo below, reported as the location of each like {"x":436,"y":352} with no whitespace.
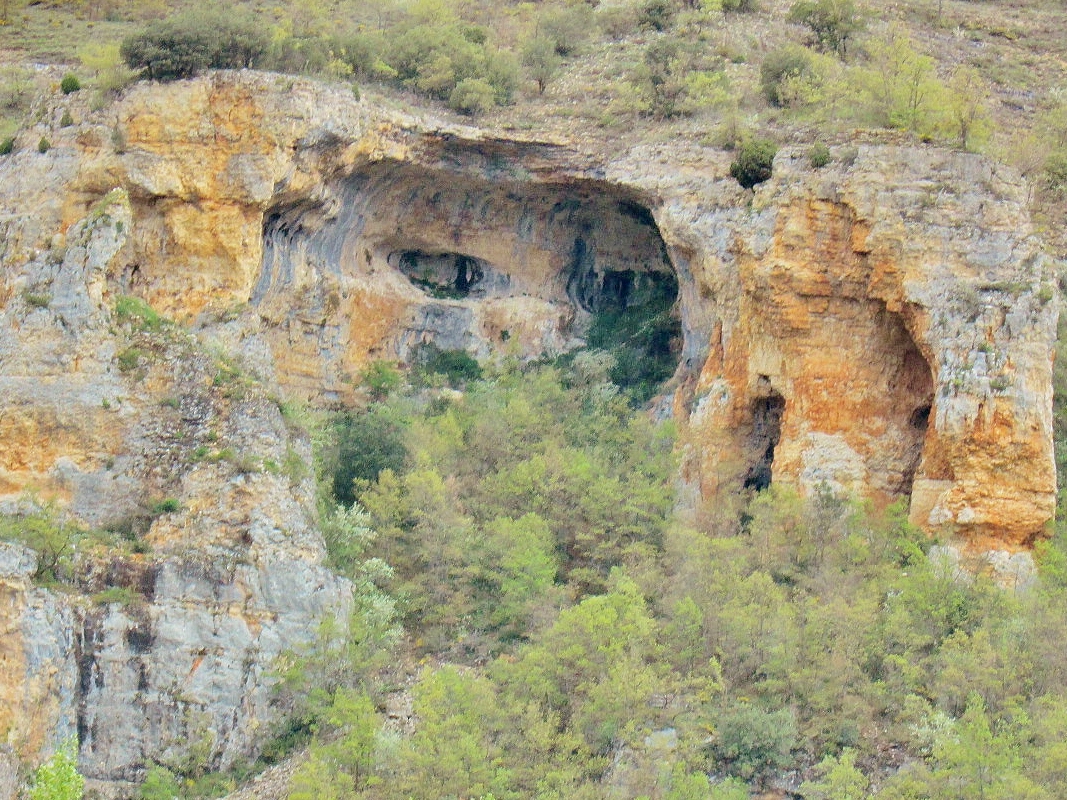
{"x":447,"y":275}
{"x":763,"y":439}
{"x":559,"y":265}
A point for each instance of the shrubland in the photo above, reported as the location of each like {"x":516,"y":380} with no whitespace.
{"x":568,"y":632}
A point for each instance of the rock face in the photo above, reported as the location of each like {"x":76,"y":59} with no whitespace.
{"x":881,"y":326}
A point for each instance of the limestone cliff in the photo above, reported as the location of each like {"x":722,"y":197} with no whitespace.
{"x":882,"y":325}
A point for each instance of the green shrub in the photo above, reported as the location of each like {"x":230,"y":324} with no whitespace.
{"x":70,"y":84}
{"x":751,"y":741}
{"x":137,"y":313}
{"x":183,"y":44}
{"x":753,"y":162}
{"x":44,"y":145}
{"x":168,"y":505}
{"x":472,"y":96}
{"x":819,"y":155}
{"x":740,"y":6}
{"x":160,"y":784}
{"x":382,"y":378}
{"x":568,"y":27}
{"x":791,"y":61}
{"x":66,"y":120}
{"x":123,"y":595}
{"x":129,"y":359}
{"x":658,"y":15}
{"x":362,"y":446}
{"x":58,"y":778}
{"x":833,"y":22}
{"x":36,"y":299}
{"x":457,"y":366}
{"x":7,"y":146}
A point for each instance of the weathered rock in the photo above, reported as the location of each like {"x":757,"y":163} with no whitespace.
{"x":882,"y":326}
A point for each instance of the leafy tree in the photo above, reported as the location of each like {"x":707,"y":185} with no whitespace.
{"x":45,"y":530}
{"x":778,"y":67}
{"x":183,"y":44}
{"x":839,"y":779}
{"x":360,"y":447}
{"x":752,"y":742}
{"x":833,"y":22}
{"x":58,"y":778}
{"x":753,"y":162}
{"x":382,"y":378}
{"x":160,"y":784}
{"x":901,"y":85}
{"x":341,"y":760}
{"x":967,"y":97}
{"x":541,"y":60}
{"x":567,"y":27}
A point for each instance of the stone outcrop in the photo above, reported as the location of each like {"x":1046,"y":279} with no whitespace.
{"x":881,"y":326}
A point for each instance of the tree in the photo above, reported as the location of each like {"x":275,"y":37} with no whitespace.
{"x":752,"y":742}
{"x":967,"y":96}
{"x":833,"y":22}
{"x":901,"y":85}
{"x":839,"y":779}
{"x":183,"y":44}
{"x":541,"y":60}
{"x":58,"y":778}
{"x":753,"y":162}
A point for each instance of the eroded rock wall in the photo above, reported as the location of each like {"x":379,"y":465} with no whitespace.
{"x":881,"y":326}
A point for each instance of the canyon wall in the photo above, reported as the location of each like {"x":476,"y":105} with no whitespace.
{"x":882,"y":326}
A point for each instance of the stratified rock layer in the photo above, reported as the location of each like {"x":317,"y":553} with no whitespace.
{"x":882,"y":326}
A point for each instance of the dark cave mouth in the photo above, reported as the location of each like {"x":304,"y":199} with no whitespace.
{"x":450,"y":276}
{"x":766,"y":432}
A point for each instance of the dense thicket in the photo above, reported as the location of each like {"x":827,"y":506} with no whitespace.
{"x":584,"y":642}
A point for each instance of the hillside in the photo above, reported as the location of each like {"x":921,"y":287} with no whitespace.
{"x":455,"y":438}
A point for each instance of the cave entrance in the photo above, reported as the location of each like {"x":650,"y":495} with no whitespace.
{"x":764,"y":437}
{"x":447,"y":275}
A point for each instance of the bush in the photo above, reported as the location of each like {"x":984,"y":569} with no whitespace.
{"x":568,"y":27}
{"x":457,"y":366}
{"x":70,"y":84}
{"x":791,"y":61}
{"x":472,"y":96}
{"x":740,"y":6}
{"x":753,"y":162}
{"x":7,"y":146}
{"x":658,"y":15}
{"x":364,"y":445}
{"x":833,"y":22}
{"x":541,"y":60}
{"x":182,"y":45}
{"x":58,"y":778}
{"x":44,"y":145}
{"x":819,"y":155}
{"x":66,"y":120}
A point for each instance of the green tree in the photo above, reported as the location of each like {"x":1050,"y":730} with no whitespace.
{"x":901,"y":85}
{"x":839,"y":779}
{"x":833,"y":22}
{"x":160,"y":784}
{"x":541,"y":60}
{"x":968,"y":95}
{"x":58,"y":777}
{"x":753,"y":162}
{"x":751,"y":742}
{"x":342,"y":756}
